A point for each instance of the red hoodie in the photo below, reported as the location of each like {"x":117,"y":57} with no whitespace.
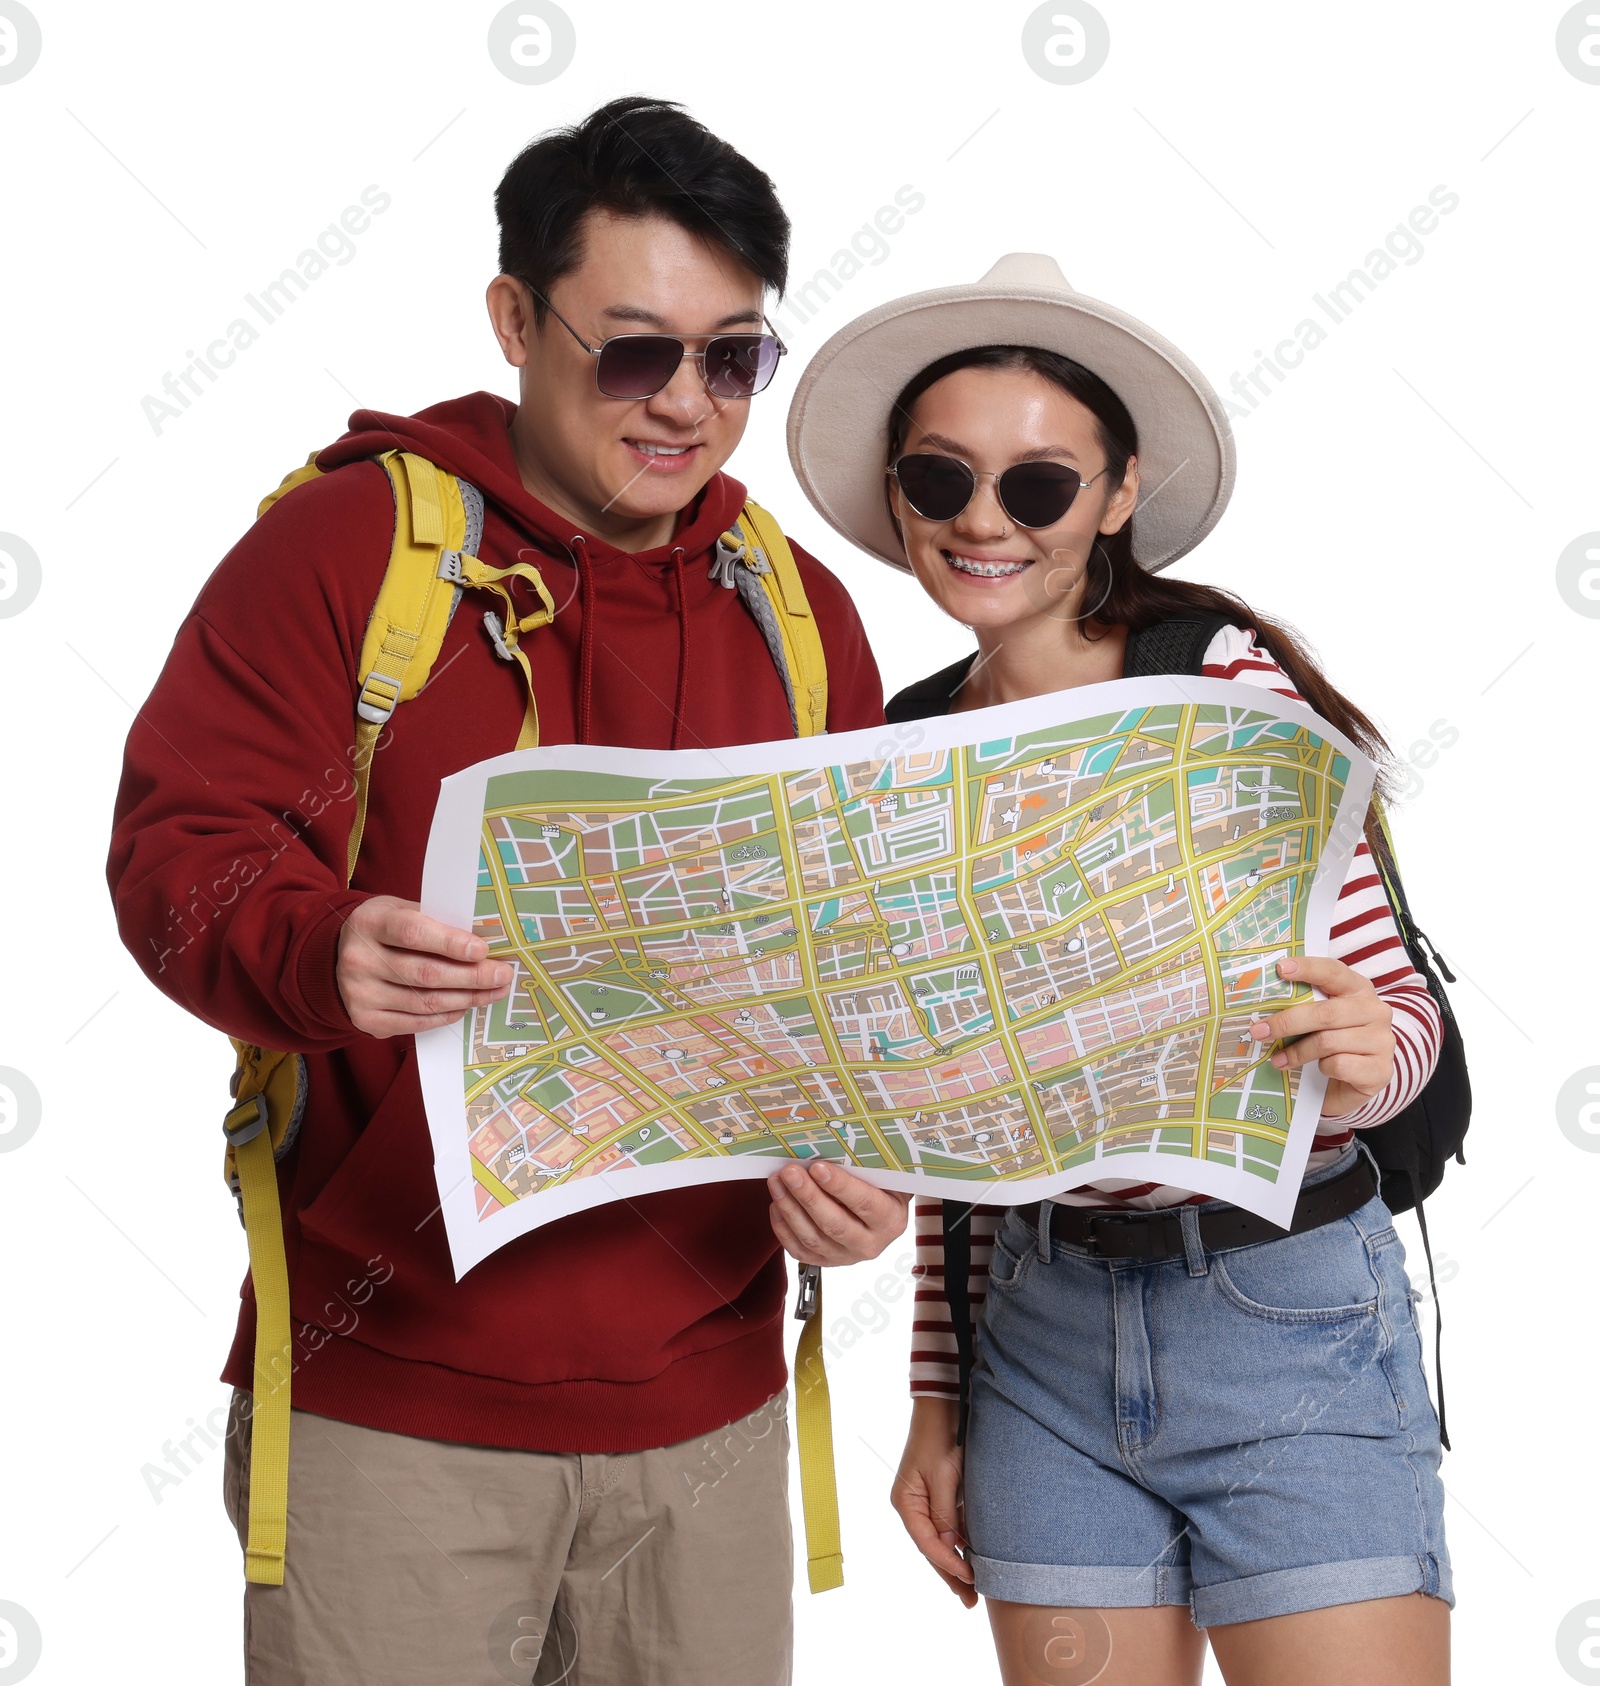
{"x":629,"y":1326}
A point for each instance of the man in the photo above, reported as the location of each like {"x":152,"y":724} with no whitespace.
{"x":578,"y":1450}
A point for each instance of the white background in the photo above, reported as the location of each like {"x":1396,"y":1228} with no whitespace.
{"x":1403,"y":498}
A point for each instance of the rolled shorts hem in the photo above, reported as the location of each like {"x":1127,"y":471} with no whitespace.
{"x":1081,"y":1587}
{"x":1288,"y":1592}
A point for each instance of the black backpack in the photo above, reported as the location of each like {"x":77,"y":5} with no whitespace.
{"x":1411,"y":1149}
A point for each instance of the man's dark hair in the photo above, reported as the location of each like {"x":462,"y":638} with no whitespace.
{"x":637,"y":157}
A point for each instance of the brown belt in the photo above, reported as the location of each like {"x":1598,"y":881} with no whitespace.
{"x":1159,"y":1235}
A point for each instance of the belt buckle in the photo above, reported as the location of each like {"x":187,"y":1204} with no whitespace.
{"x":1154,"y":1240}
{"x":1112,"y":1220}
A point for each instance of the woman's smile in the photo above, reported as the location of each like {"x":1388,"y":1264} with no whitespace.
{"x":982,"y":565}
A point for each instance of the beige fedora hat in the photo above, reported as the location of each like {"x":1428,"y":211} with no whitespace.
{"x":839,"y":420}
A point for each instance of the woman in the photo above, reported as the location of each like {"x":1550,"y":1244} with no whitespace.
{"x":1230,"y":1443}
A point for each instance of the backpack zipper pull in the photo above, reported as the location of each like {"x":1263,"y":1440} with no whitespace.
{"x":1426,"y":943}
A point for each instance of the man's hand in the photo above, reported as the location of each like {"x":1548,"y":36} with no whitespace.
{"x":400,"y":972}
{"x":926,"y":1493}
{"x":1348,"y":1035}
{"x":825,"y":1216}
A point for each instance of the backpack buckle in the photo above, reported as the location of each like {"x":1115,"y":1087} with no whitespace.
{"x":810,"y":1289}
{"x":379,"y":695}
{"x":497,"y":634}
{"x":450,"y":567}
{"x":246,"y":1121}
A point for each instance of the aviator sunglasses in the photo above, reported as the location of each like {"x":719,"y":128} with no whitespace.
{"x":1033,"y":494}
{"x":641,"y":365}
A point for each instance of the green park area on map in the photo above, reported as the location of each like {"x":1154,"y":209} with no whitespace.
{"x":1002,"y":961}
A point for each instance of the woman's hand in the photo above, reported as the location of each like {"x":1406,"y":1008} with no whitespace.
{"x":826,"y":1216}
{"x":926,"y":1493}
{"x":1348,"y":1035}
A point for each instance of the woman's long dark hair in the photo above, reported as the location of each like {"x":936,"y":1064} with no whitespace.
{"x":1127,"y":594}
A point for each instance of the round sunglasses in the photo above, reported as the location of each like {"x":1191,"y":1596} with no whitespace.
{"x":1033,"y":494}
{"x":641,"y":365}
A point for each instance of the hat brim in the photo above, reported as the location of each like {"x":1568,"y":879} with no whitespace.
{"x":839,"y":418}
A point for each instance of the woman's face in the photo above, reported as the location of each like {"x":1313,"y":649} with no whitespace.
{"x":981,"y":568}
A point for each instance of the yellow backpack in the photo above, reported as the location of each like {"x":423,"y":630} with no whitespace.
{"x":438,"y":529}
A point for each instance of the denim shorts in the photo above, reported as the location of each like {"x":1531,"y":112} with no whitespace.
{"x":1247,"y":1432}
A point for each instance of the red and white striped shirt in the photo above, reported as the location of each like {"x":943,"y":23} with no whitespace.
{"x":1363,"y":936}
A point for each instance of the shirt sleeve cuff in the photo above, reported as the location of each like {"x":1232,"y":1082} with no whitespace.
{"x":1377,"y":1109}
{"x":316,"y":970}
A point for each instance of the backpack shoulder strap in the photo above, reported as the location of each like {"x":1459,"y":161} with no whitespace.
{"x":1176,"y":645}
{"x":438,"y":527}
{"x":270,"y":1092}
{"x":1384,"y":857}
{"x":804,"y":664}
{"x":929,"y":696}
{"x":438,"y":518}
{"x":956,"y":1218}
{"x":813,"y":1432}
{"x":420,"y":589}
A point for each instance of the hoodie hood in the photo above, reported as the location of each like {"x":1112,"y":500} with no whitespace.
{"x":469,"y":437}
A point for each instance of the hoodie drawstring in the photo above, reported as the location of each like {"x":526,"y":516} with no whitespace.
{"x":580,"y":549}
{"x":683,"y":649}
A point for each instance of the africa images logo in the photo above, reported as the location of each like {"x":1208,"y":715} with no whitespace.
{"x":1577,"y":573}
{"x":20,"y":575}
{"x":531,"y":41}
{"x":20,"y":41}
{"x":20,"y":1112}
{"x":1578,"y":41}
{"x":21,"y":1643}
{"x":1578,"y":1109}
{"x":1578,"y":1641}
{"x":1066,"y":41}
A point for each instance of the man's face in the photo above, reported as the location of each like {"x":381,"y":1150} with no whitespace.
{"x":623,"y":467}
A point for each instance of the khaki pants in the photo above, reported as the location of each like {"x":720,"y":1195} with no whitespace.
{"x":425,"y":1563}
